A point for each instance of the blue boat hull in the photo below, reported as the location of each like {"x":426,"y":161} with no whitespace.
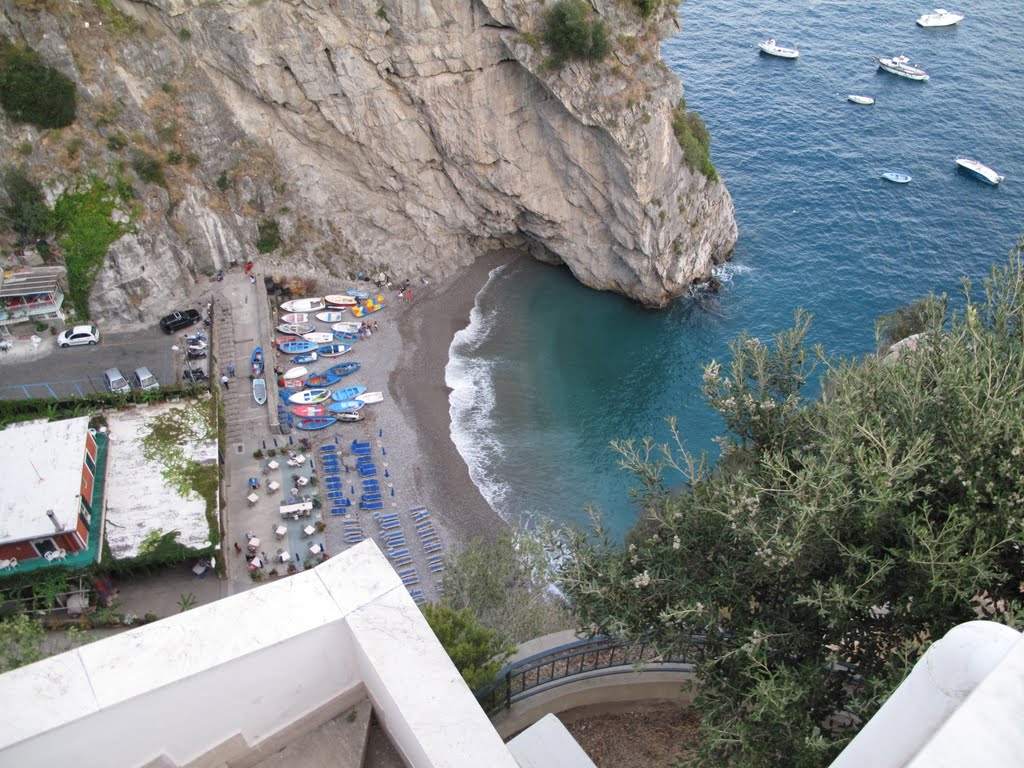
{"x":307,"y":357}
{"x":256,"y":362}
{"x":345,"y":405}
{"x":348,"y":393}
{"x":343,"y":369}
{"x":297,"y":347}
{"x":319,"y":422}
{"x":331,"y":350}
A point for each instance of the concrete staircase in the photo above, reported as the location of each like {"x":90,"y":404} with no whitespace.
{"x":338,"y":743}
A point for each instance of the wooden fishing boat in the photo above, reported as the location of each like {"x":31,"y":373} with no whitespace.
{"x":349,"y":416}
{"x":370,"y":397}
{"x":303,"y":305}
{"x":369,"y":307}
{"x":343,"y":369}
{"x":299,"y":372}
{"x":317,"y":422}
{"x":349,"y":327}
{"x":358,"y":293}
{"x":296,"y":329}
{"x":307,"y":411}
{"x":291,"y":385}
{"x":322,"y":380}
{"x":335,"y":316}
{"x":348,"y":393}
{"x":259,"y":391}
{"x":256,"y":363}
{"x":345,"y":405}
{"x":295,"y":317}
{"x":310,"y":396}
{"x":306,"y":357}
{"x":340,"y":300}
{"x":297,"y":346}
{"x":319,"y":337}
{"x":345,"y":336}
{"x":333,"y":350}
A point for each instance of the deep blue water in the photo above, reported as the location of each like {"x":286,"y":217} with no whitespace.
{"x":549,"y":372}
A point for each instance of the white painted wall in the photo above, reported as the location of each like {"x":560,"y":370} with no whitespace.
{"x":251,"y":664}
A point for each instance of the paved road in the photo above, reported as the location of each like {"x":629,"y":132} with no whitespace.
{"x":54,"y":372}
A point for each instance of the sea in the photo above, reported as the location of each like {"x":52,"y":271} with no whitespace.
{"x":547,"y":373}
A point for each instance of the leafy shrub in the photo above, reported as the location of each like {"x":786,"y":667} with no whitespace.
{"x":25,"y":212}
{"x":185,"y":34}
{"x":269,"y":236}
{"x":476,"y":651}
{"x":906,"y":321}
{"x":572,"y":33}
{"x":148,"y":167}
{"x":116,"y":141}
{"x":693,"y":137}
{"x":223,"y":182}
{"x":646,"y":7}
{"x":83,"y":217}
{"x":31,"y":92}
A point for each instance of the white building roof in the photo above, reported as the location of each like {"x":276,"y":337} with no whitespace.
{"x":42,"y":470}
{"x":139,"y":499}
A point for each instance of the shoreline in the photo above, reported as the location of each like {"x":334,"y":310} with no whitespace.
{"x":416,"y":383}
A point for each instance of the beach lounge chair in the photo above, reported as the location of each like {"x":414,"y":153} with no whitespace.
{"x":432,"y":547}
{"x":339,"y":510}
{"x":405,"y":560}
{"x":329,"y":448}
{"x":435,"y":559}
{"x":370,"y":505}
{"x":398,"y":552}
{"x":336,"y":494}
{"x":368,"y":470}
{"x":370,"y":497}
{"x":437,"y":567}
{"x":390,"y":536}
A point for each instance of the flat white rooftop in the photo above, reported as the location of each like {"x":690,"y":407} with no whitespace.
{"x":42,"y":470}
{"x":140,"y":499}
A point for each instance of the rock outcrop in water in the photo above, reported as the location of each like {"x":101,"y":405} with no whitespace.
{"x":390,"y":133}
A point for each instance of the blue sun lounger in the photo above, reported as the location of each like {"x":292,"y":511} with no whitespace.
{"x":371,"y":504}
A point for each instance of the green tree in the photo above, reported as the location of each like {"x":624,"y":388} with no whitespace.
{"x":835,"y":539}
{"x":26,"y":211}
{"x":917,"y":317}
{"x":476,"y":651}
{"x":31,"y":92}
{"x":21,"y":642}
{"x":505,"y":584}
{"x":572,"y":31}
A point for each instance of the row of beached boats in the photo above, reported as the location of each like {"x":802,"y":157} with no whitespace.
{"x":901,"y":66}
{"x":309,"y":395}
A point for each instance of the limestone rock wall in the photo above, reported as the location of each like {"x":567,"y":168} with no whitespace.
{"x":405,"y":133}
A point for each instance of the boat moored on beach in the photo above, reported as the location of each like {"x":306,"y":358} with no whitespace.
{"x":295,"y":317}
{"x":259,"y":391}
{"x":371,"y":397}
{"x":310,"y":396}
{"x":358,"y":293}
{"x":334,"y":316}
{"x":348,"y":327}
{"x":343,"y":369}
{"x":348,"y":393}
{"x":333,"y":350}
{"x":345,"y":406}
{"x":299,"y":372}
{"x":296,"y":329}
{"x":303,"y":305}
{"x":317,"y":422}
{"x":340,"y":300}
{"x":322,"y":380}
{"x":940,"y":17}
{"x":307,"y":411}
{"x":296,"y":346}
{"x":319,"y":337}
{"x":305,"y":357}
{"x":772,"y":48}
{"x":979,"y":170}
{"x":369,"y":306}
{"x":900,"y":65}
{"x":256,"y":362}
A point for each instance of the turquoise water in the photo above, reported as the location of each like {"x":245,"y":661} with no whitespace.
{"x":548,"y":373}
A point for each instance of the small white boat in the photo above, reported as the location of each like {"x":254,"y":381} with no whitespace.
{"x":320,"y":337}
{"x":331,"y":317}
{"x":340,"y":300}
{"x":303,"y":305}
{"x":296,"y":329}
{"x":940,"y":18}
{"x":772,"y":48}
{"x":370,"y":397}
{"x":349,"y":327}
{"x":860,"y":99}
{"x":896,"y":177}
{"x":295,"y":317}
{"x":259,"y":391}
{"x":900,"y":65}
{"x":310,"y":396}
{"x":979,"y":171}
{"x":295,"y":373}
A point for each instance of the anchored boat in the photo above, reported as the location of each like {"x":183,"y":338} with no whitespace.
{"x":900,"y":65}
{"x":772,"y":48}
{"x":979,"y":170}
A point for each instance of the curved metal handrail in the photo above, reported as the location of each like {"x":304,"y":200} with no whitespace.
{"x":558,"y":666}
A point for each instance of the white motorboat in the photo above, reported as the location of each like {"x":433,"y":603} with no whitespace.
{"x":300,"y":306}
{"x":772,"y":48}
{"x":896,"y":177}
{"x":900,"y":65}
{"x":940,"y":18}
{"x":295,"y":373}
{"x":321,"y":337}
{"x":979,"y":171}
{"x":860,"y":99}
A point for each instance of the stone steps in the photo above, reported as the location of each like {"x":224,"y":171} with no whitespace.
{"x":339,"y":743}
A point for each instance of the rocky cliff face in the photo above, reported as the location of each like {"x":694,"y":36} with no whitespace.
{"x":402,"y":133}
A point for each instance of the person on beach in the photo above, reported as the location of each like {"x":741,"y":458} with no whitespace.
{"x":237,"y":548}
{"x":374,"y":326}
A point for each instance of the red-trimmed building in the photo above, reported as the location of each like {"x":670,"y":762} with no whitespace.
{"x":51,"y":500}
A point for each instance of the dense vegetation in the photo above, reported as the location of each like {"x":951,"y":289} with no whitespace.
{"x":269,"y":238}
{"x":835,"y":539}
{"x":83,"y":218}
{"x":31,"y":92}
{"x":693,"y":137}
{"x":573,"y":32}
{"x":477,"y":652}
{"x":26,"y":211}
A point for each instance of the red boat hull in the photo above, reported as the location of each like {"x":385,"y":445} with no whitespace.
{"x":308,"y":411}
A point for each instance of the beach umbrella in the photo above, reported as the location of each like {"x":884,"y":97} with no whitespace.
{"x":383,"y":451}
{"x":392,"y":491}
{"x":380,"y":433}
{"x":386,"y":473}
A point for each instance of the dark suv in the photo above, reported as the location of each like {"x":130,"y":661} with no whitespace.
{"x":178,"y":320}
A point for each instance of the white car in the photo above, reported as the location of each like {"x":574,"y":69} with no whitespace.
{"x":80,"y":334}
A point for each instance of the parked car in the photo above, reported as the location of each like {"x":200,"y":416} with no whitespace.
{"x":116,"y":382}
{"x":178,"y":320}
{"x":80,"y":334}
{"x":143,"y":379}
